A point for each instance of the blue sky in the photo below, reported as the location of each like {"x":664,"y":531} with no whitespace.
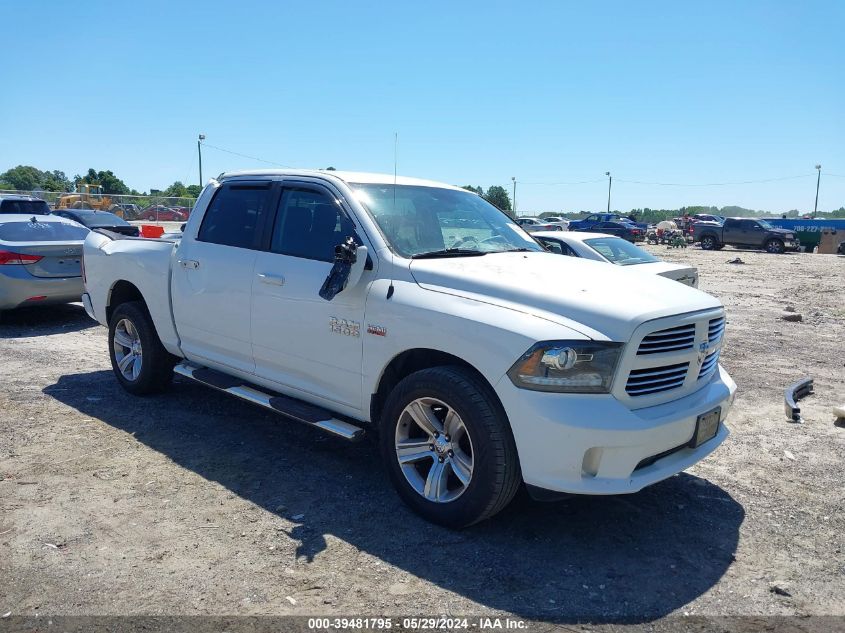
{"x":548,"y":92}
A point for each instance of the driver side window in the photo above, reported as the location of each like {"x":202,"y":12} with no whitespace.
{"x":309,"y":224}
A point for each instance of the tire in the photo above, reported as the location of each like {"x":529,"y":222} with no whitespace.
{"x":709,"y":243}
{"x":151,"y":370}
{"x":480,"y":471}
{"x":775,"y":246}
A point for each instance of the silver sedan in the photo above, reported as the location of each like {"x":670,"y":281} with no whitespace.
{"x":615,"y":250}
{"x":40,"y":260}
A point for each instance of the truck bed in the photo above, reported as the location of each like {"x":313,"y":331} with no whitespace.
{"x":114,"y":262}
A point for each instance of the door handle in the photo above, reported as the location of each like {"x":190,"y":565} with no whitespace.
{"x":189,"y":263}
{"x":273,"y":280}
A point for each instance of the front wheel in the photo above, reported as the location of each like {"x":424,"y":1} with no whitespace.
{"x":140,"y":362}
{"x":775,"y":246}
{"x":448,"y":447}
{"x":709,"y":243}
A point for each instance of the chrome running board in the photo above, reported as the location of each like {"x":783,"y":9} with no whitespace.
{"x":298,"y":410}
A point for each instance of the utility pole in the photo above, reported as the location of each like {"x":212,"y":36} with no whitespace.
{"x":609,"y":183}
{"x":514,"y":195}
{"x":199,"y":152}
{"x":818,"y":180}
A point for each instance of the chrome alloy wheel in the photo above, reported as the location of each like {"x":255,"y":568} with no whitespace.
{"x":128,"y":353}
{"x":434,"y":450}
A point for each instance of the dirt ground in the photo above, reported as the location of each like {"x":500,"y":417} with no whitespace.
{"x":195,"y":503}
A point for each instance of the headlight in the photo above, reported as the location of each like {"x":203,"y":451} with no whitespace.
{"x":567,"y":366}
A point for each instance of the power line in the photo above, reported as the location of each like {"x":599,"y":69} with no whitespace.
{"x":260,"y":160}
{"x":713,"y":184}
{"x":581,"y":182}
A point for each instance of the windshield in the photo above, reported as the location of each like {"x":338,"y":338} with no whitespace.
{"x":41,"y":232}
{"x":619,"y":251}
{"x":765,"y":224}
{"x":419,"y":220}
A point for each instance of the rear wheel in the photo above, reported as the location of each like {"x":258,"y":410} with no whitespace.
{"x":448,"y":447}
{"x":139,"y":360}
{"x":775,"y":246}
{"x":709,"y":243}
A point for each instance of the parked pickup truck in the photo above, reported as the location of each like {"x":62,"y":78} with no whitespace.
{"x":745,"y":232}
{"x":351,"y":303}
{"x":592,"y":222}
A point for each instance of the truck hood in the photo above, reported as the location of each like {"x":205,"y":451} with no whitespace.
{"x":601,"y":301}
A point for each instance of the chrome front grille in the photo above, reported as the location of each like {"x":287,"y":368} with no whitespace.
{"x":708,"y":366}
{"x":669,"y":340}
{"x":656,"y":379}
{"x":669,"y":358}
{"x":715,"y":329}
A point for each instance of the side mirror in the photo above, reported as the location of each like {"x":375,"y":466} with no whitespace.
{"x":349,"y":262}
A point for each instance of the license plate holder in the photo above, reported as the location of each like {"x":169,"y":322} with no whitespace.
{"x":706,"y":427}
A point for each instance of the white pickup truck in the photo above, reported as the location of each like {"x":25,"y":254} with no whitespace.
{"x":415,"y":309}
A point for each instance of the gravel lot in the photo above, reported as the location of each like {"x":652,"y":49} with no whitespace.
{"x":195,"y":503}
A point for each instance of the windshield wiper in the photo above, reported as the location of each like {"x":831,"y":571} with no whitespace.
{"x":516,"y":250}
{"x":448,"y":252}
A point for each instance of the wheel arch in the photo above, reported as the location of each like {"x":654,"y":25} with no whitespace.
{"x":413,"y":360}
{"x":122,"y":291}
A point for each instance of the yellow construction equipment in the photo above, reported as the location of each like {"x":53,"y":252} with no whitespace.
{"x":86,"y":197}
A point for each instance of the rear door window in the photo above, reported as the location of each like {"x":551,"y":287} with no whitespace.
{"x":554,"y":246}
{"x":41,"y":232}
{"x":237,"y":214}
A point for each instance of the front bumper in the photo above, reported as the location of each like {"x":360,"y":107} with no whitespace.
{"x":588,"y":444}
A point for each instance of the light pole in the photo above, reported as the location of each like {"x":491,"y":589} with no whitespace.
{"x":514,"y":195}
{"x":199,"y":152}
{"x":609,"y":183}
{"x":818,"y":180}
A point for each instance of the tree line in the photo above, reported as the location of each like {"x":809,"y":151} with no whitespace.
{"x":653,"y":216}
{"x":495,"y":195}
{"x":29,"y":178}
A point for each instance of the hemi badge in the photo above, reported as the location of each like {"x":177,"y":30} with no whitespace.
{"x":377,"y":330}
